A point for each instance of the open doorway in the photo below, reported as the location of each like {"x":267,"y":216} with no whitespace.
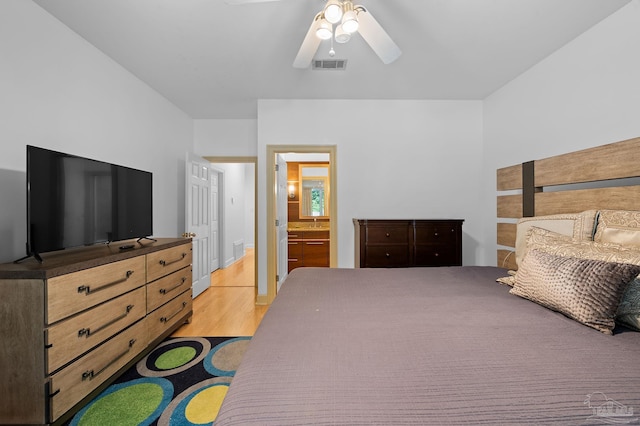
{"x":236,"y":203}
{"x":274,"y":234}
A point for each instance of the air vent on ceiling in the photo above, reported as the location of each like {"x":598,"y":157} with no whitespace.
{"x":329,"y":64}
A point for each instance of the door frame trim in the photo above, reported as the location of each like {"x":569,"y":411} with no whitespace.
{"x":272,"y":242}
{"x":252,"y":160}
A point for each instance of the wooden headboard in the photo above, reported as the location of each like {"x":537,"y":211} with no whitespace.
{"x":591,"y":179}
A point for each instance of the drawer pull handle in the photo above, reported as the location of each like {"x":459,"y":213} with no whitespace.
{"x":165,"y":263}
{"x":167,"y":319}
{"x":311,"y":243}
{"x":90,"y":374}
{"x":88,"y":332}
{"x":167,"y":290}
{"x":435,"y":234}
{"x":86,"y":289}
{"x":437,"y":254}
{"x":387,"y":254}
{"x":388,"y":235}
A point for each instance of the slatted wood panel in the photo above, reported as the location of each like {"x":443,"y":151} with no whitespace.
{"x":508,"y":178}
{"x":597,"y":167}
{"x":611,"y":161}
{"x":506,"y":234}
{"x":615,"y":198}
{"x":510,"y":206}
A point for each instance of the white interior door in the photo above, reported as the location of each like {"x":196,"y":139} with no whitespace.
{"x":282,"y":213}
{"x":198,"y":219}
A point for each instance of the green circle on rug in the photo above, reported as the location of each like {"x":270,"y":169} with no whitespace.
{"x":175,"y":357}
{"x":125,"y":403}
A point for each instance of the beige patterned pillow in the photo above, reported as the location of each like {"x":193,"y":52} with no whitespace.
{"x":588,"y":291}
{"x":618,"y":226}
{"x":577,"y":225}
{"x":550,"y":242}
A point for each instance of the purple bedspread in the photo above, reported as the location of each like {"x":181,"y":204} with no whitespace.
{"x":427,"y":346}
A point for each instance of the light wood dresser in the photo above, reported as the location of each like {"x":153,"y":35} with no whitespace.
{"x":404,"y":243}
{"x":71,"y":325}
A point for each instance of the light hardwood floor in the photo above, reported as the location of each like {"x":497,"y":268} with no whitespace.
{"x":227,"y":308}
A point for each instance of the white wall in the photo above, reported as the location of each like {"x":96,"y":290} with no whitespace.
{"x":225,"y":138}
{"x":399,"y":159}
{"x":249,"y":205}
{"x":59,"y":92}
{"x":585,"y":94}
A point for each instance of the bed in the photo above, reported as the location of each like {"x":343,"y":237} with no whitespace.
{"x":451,"y":345}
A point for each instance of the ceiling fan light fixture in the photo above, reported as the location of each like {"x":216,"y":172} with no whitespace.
{"x":341,"y":35}
{"x":333,"y":11}
{"x":349,"y":18}
{"x":325,"y":30}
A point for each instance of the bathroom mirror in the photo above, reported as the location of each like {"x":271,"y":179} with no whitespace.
{"x":314,"y":191}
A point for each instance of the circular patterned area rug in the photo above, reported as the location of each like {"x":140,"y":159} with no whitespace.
{"x":181,"y":382}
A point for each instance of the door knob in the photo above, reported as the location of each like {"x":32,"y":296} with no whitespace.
{"x":189,"y":235}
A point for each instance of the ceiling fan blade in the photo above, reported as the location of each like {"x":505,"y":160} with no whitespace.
{"x":376,"y":37}
{"x":234,"y":2}
{"x":309,"y":46}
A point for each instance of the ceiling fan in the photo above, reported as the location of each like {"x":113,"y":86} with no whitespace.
{"x":340,"y":19}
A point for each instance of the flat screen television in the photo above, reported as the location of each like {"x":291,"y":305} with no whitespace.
{"x":74,"y":201}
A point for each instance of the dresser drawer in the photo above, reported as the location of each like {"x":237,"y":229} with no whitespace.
{"x":387,"y":257}
{"x":77,"y":291}
{"x":439,"y":234}
{"x":389,"y":234}
{"x":433,"y":255}
{"x":73,"y":383}
{"x":169,"y":314}
{"x":166,"y":288}
{"x":164,"y":262}
{"x":72,"y":337}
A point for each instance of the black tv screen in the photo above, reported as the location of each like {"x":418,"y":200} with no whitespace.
{"x":74,"y":201}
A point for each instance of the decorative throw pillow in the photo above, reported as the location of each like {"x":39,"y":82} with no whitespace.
{"x":509,"y":280}
{"x":629,"y":309}
{"x":579,"y":226}
{"x":550,"y":242}
{"x":618,"y":226}
{"x":588,"y":291}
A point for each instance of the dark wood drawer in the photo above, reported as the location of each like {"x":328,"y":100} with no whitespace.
{"x":388,"y":234}
{"x":387,"y":256}
{"x":434,"y":255}
{"x":438,"y":234}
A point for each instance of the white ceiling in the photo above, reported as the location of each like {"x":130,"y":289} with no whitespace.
{"x":214,"y":60}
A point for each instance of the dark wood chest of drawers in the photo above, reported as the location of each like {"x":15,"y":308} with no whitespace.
{"x":407,"y":243}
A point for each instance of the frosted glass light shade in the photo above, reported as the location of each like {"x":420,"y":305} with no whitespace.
{"x":350,"y":22}
{"x":341,"y":35}
{"x":325,"y":30}
{"x":333,"y":11}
